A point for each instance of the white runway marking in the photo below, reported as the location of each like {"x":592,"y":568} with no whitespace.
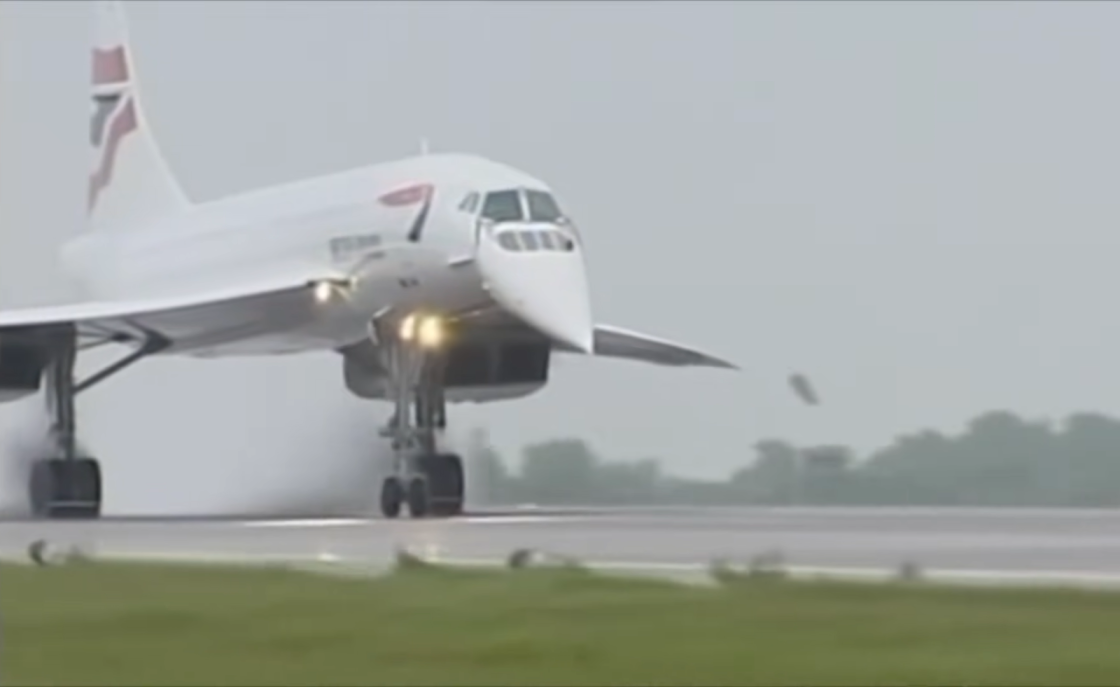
{"x":354,"y":522}
{"x":519,"y":519}
{"x":316,"y":522}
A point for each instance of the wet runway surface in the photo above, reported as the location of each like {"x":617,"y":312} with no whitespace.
{"x":962,"y":539}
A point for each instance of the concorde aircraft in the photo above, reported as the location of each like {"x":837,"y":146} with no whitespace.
{"x":436,"y":279}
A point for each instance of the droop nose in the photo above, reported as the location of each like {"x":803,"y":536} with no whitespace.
{"x":545,"y":288}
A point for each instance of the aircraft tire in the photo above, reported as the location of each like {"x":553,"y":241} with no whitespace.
{"x":392,"y":497}
{"x":418,"y":497}
{"x":446,"y":483}
{"x":65,"y":489}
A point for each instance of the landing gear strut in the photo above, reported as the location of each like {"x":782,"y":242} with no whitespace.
{"x":429,"y":482}
{"x":68,"y":484}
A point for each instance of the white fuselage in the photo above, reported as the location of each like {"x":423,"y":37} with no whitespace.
{"x":347,"y":222}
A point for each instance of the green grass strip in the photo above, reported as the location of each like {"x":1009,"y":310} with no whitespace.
{"x":102,"y":624}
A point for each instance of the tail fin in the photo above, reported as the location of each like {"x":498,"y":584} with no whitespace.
{"x":130,"y":184}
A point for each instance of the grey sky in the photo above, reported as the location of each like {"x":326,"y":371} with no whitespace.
{"x":912,"y":203}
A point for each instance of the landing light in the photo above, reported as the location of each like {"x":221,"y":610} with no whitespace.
{"x":431,"y":332}
{"x":408,"y":328}
{"x":428,"y":330}
{"x":323,"y":291}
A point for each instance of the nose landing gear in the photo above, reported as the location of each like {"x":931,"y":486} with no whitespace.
{"x":431,"y":483}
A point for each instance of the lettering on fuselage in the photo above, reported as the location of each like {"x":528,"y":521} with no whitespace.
{"x":346,"y":248}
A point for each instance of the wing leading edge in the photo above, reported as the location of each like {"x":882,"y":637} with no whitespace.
{"x":240,"y":318}
{"x":615,"y":342}
{"x":204,"y":321}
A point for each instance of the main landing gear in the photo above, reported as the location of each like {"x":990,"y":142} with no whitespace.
{"x":429,"y":482}
{"x":68,"y":484}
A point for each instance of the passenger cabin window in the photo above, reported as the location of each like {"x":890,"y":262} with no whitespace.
{"x":543,"y":207}
{"x":502,"y":206}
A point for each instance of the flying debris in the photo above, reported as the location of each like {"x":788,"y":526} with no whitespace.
{"x":804,"y":390}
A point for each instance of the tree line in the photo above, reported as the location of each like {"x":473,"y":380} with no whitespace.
{"x":1000,"y":459}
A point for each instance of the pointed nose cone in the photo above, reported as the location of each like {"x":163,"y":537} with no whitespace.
{"x":547,"y":289}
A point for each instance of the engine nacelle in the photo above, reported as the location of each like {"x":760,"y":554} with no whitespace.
{"x":22,"y":363}
{"x":477,"y":370}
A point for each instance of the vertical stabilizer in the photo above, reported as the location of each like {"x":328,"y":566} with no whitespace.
{"x":130,"y":184}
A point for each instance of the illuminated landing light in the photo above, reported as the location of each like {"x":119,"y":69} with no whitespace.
{"x":427,"y":330}
{"x":323,"y":291}
{"x":408,"y":328}
{"x":431,"y":332}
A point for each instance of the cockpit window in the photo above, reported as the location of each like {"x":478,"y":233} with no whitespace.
{"x":502,"y":206}
{"x":543,"y":207}
{"x":470,"y":203}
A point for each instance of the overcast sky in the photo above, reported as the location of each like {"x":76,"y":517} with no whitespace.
{"x":912,"y":203}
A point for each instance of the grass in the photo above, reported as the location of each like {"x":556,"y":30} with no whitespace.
{"x":143,"y":625}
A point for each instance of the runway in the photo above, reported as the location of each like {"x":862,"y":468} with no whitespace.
{"x":1085,"y":542}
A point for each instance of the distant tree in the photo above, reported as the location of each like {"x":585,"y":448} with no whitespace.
{"x":1000,"y":459}
{"x":1088,"y":448}
{"x":559,"y":471}
{"x":913,"y":469}
{"x":632,"y":482}
{"x":1003,"y":460}
{"x":773,"y":478}
{"x":827,"y":475}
